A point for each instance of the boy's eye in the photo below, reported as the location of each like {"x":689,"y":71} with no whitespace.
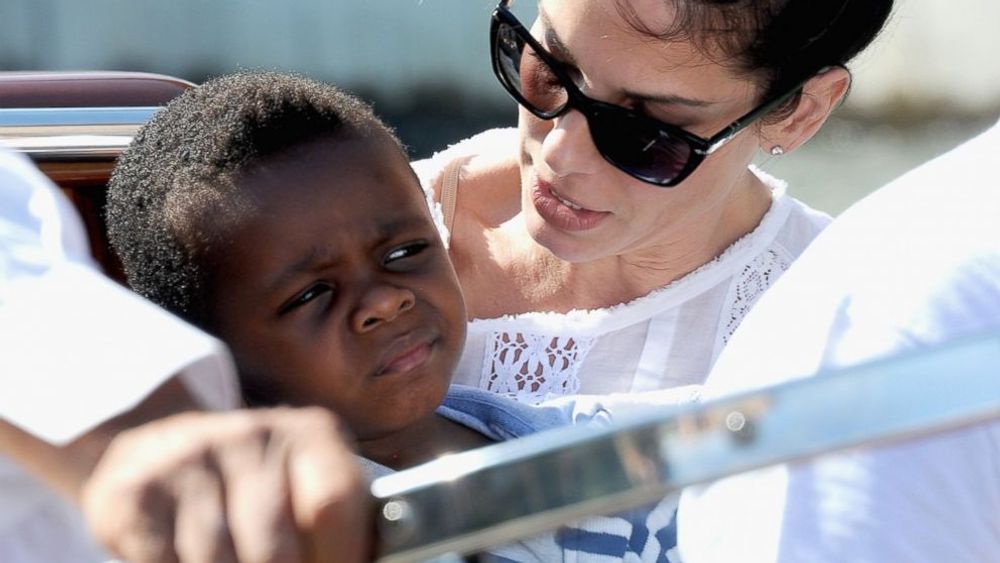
{"x":404,"y":251}
{"x":311,"y":293}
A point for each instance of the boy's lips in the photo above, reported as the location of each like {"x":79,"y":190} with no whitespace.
{"x":406,"y":353}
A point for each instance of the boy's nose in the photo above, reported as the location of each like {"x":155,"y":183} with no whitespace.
{"x":381,"y":304}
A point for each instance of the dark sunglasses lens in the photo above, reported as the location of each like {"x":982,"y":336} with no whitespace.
{"x":525,"y":74}
{"x":638,"y":147}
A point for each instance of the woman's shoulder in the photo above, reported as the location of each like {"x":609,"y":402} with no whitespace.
{"x":476,"y":181}
{"x":482,"y":154}
{"x":790,"y":223}
{"x":800,"y":227}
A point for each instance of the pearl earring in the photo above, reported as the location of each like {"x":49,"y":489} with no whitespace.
{"x":777,"y":150}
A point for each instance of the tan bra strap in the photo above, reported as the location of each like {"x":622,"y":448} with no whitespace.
{"x":449,"y":190}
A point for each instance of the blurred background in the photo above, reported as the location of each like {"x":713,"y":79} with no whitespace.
{"x":929,"y":82}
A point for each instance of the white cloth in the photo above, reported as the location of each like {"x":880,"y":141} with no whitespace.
{"x":75,"y":350}
{"x":913,"y":265}
{"x":667,"y":338}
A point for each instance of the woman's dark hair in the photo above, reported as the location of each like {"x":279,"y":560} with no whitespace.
{"x":176,"y":183}
{"x":779,"y":42}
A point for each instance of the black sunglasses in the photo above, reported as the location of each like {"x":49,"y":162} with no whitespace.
{"x":642,"y":147}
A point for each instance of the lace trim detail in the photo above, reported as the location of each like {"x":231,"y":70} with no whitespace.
{"x":530,"y":368}
{"x":757,"y":276}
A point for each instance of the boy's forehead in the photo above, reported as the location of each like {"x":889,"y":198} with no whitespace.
{"x":367,"y":175}
{"x":330,"y":249}
{"x":313,"y":209}
{"x":350,"y":163}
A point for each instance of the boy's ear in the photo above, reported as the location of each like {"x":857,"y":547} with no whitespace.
{"x":821,"y":94}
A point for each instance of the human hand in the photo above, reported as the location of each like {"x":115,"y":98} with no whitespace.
{"x":250,"y":486}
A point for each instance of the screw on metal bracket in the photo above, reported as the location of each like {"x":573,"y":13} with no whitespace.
{"x":740,"y":427}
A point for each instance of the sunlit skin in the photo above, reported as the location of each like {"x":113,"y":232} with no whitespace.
{"x":520,"y":247}
{"x":332,"y":287}
{"x":675,"y":227}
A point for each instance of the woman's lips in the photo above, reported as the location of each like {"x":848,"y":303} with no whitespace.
{"x":561,"y":212}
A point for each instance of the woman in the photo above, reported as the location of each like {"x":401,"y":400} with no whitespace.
{"x":615,"y":241}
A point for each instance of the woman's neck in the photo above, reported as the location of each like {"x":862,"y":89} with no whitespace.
{"x":690,"y":243}
{"x":503,"y":270}
{"x":423,"y":441}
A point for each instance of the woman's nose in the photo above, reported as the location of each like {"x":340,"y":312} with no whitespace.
{"x":568,"y":148}
{"x":381,"y":304}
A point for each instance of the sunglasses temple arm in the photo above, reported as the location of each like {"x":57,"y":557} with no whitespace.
{"x":741,"y":123}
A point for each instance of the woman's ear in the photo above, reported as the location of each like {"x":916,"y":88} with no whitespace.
{"x":821,"y":94}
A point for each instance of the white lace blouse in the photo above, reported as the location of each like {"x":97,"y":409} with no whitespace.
{"x":667,"y":338}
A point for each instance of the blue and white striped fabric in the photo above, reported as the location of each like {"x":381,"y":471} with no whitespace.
{"x":641,"y":535}
{"x":638,"y":535}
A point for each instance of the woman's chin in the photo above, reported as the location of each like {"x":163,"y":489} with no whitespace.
{"x":571,"y":246}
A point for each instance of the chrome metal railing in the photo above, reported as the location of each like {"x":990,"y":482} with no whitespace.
{"x":471,"y":501}
{"x":69,"y":134}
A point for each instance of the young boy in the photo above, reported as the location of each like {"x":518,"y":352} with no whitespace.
{"x":282,"y":216}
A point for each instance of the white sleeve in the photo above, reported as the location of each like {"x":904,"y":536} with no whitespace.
{"x":911,"y":266}
{"x":78,"y":348}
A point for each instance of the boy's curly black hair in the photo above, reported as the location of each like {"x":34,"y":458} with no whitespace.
{"x":176,"y":178}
